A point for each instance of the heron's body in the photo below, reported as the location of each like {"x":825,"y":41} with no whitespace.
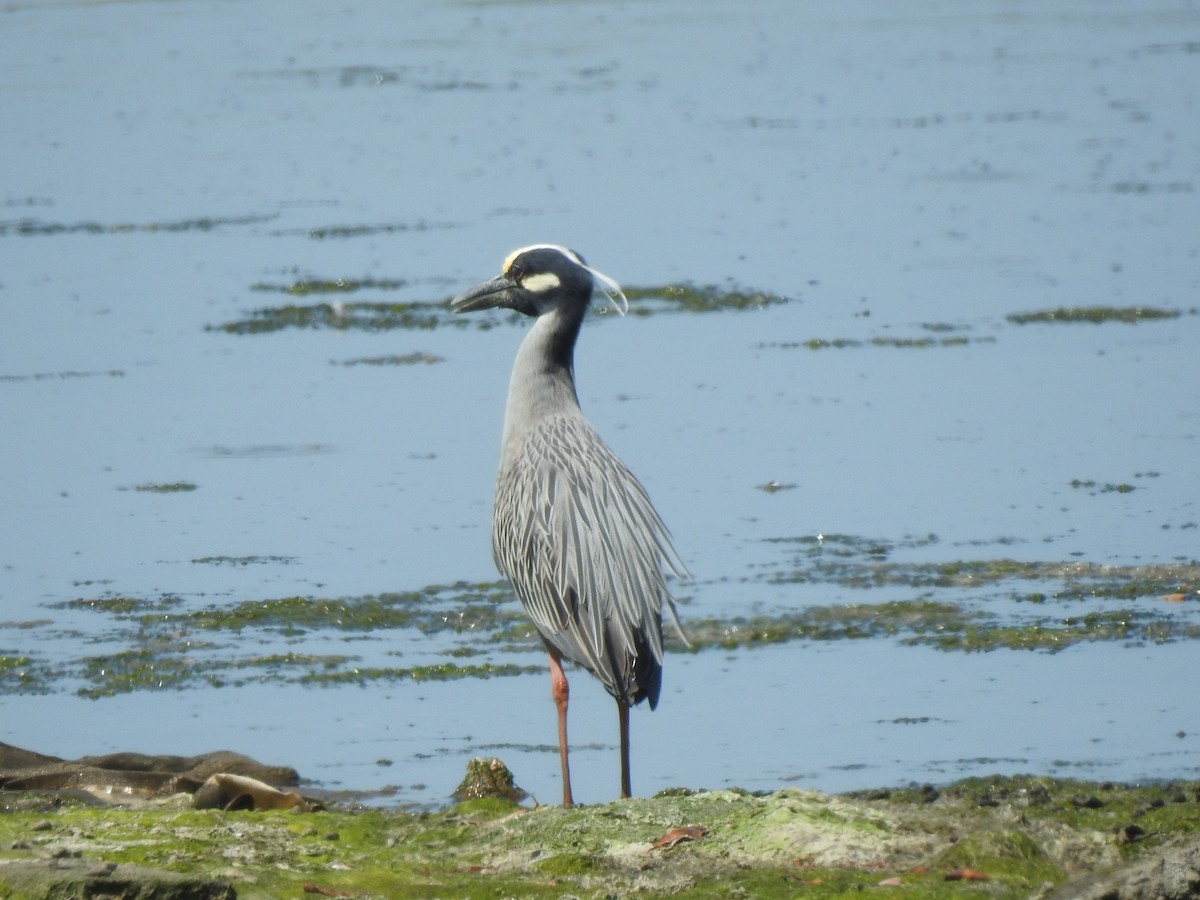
{"x":573,"y":529}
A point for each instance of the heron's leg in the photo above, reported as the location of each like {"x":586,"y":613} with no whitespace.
{"x":561,"y":693}
{"x":623,"y":713}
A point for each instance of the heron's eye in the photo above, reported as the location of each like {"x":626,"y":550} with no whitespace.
{"x":516,"y":273}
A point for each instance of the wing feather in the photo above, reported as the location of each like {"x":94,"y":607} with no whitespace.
{"x":587,"y":553}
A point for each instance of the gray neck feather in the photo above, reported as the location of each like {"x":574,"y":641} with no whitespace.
{"x":543,"y":377}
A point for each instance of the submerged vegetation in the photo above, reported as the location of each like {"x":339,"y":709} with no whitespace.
{"x":677,"y":297}
{"x":424,"y":315}
{"x":973,"y":605}
{"x":325,"y":232}
{"x":38,"y":227}
{"x":48,"y":376}
{"x":367,"y":316}
{"x":170,"y":487}
{"x":904,"y":343}
{"x":943,"y":335}
{"x":406,"y":359}
{"x":1095,"y":315}
{"x":306,"y":286}
{"x":645,"y":301}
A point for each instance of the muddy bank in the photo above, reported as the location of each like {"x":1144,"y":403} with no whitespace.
{"x":999,"y":837}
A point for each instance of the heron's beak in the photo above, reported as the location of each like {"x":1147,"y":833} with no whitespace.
{"x":495,"y":292}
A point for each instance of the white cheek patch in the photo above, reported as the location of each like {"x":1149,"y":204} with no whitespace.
{"x":541,"y":282}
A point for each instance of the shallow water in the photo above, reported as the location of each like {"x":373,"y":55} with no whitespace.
{"x":898,"y":176}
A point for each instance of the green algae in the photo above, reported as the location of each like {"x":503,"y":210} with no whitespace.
{"x":165,"y":646}
{"x":1094,"y":315}
{"x":1149,"y":187}
{"x":685,"y":297}
{"x":23,"y":675}
{"x":456,"y":608}
{"x":140,"y":668}
{"x":297,"y":615}
{"x":491,"y":782}
{"x":256,"y":451}
{"x":243,"y":560}
{"x":439,"y":672}
{"x":1001,"y":854}
{"x":825,"y":623}
{"x":175,"y":667}
{"x":942,"y":335}
{"x":326,"y":232}
{"x":39,"y":228}
{"x":47,"y":376}
{"x":1108,"y":488}
{"x":306,"y":286}
{"x":921,"y":343}
{"x":171,"y":487}
{"x":862,"y":562}
{"x":420,"y":315}
{"x":939,"y":624}
{"x":121,"y":605}
{"x":966,"y":604}
{"x":406,"y":359}
{"x":904,"y":343}
{"x":1018,"y":836}
{"x":958,"y":605}
{"x":1054,"y":634}
{"x":1159,"y":808}
{"x":360,"y":315}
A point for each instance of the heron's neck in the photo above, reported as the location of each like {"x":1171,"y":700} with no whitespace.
{"x":543,"y":377}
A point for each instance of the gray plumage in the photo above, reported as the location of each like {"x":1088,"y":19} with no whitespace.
{"x":572,"y":528}
{"x":584,"y":549}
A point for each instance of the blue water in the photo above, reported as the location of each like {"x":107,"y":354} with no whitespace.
{"x":885,"y":168}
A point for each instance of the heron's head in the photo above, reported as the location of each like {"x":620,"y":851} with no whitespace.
{"x":537,"y":279}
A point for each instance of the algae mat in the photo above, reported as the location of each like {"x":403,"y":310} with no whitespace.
{"x":997,"y":837}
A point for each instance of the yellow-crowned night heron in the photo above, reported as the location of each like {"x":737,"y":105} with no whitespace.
{"x":572,"y":528}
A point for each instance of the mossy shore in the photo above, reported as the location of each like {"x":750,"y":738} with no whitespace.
{"x":994,"y":837}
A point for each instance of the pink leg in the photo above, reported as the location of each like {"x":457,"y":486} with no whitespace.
{"x":561,"y":693}
{"x":623,"y":713}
